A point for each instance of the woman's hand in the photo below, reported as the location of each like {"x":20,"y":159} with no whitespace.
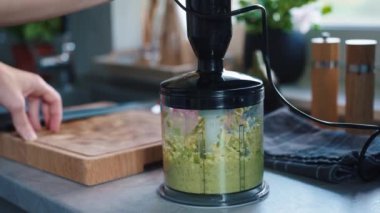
{"x":18,"y":87}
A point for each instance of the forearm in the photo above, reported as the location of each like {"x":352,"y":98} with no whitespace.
{"x":13,"y":12}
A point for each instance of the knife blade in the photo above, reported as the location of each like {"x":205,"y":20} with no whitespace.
{"x":76,"y":114}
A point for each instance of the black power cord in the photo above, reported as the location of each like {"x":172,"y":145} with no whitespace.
{"x":294,"y":109}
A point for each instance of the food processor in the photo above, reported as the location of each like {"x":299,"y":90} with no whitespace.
{"x":212,"y":120}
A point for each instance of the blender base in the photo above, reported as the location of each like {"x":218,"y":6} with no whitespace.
{"x":254,"y":195}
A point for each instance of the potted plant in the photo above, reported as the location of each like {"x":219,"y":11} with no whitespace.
{"x":34,"y":39}
{"x":288,"y":21}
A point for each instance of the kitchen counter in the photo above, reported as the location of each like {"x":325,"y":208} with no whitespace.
{"x":37,"y":191}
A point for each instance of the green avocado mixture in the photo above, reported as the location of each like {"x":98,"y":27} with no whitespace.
{"x":197,"y":163}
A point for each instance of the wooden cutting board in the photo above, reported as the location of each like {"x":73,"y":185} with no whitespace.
{"x":93,"y":150}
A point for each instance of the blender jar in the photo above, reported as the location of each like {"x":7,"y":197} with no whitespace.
{"x":212,"y":128}
{"x":213,"y":151}
{"x":212,"y":120}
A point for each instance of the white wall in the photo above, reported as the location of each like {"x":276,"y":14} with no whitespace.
{"x":126,"y":16}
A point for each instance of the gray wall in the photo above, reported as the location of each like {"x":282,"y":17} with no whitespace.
{"x":5,"y":47}
{"x":127,"y":21}
{"x":91,"y":31}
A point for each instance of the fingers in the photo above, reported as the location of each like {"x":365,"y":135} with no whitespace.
{"x":15,"y":86}
{"x":45,"y":111}
{"x":34,"y":87}
{"x":54,"y":112}
{"x":52,"y":115}
{"x":55,"y":116}
{"x":51,"y":103}
{"x":21,"y":121}
{"x":33,"y":113}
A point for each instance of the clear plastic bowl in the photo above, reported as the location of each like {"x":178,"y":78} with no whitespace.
{"x":213,"y":151}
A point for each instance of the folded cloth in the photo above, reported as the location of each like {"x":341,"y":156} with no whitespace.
{"x":295,"y":145}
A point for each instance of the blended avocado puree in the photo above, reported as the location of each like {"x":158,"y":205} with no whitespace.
{"x":213,"y":151}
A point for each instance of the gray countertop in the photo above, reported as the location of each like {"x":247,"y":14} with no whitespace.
{"x":37,"y":191}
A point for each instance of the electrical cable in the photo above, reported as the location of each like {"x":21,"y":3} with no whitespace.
{"x":294,"y":109}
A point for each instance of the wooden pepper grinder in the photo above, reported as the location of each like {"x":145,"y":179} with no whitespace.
{"x":325,"y":77}
{"x":151,"y":31}
{"x":360,"y":82}
{"x":148,"y":24}
{"x":171,"y":36}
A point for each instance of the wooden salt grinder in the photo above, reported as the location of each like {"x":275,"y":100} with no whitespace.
{"x":325,"y":78}
{"x":148,"y":24}
{"x":360,"y":82}
{"x":171,"y":37}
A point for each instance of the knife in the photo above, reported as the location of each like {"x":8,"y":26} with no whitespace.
{"x":76,"y":114}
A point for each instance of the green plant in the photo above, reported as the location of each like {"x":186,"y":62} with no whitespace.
{"x":279,"y":13}
{"x":36,"y":32}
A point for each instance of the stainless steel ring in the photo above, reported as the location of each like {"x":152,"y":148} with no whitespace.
{"x":325,"y":64}
{"x":360,"y":68}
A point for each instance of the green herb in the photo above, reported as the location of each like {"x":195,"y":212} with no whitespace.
{"x":41,"y":31}
{"x":279,"y":16}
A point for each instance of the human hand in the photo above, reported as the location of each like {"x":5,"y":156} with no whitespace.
{"x":17,"y":87}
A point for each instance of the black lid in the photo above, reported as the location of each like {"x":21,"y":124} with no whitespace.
{"x":211,"y":90}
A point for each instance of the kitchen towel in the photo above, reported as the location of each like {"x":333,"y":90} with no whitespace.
{"x":295,"y":145}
